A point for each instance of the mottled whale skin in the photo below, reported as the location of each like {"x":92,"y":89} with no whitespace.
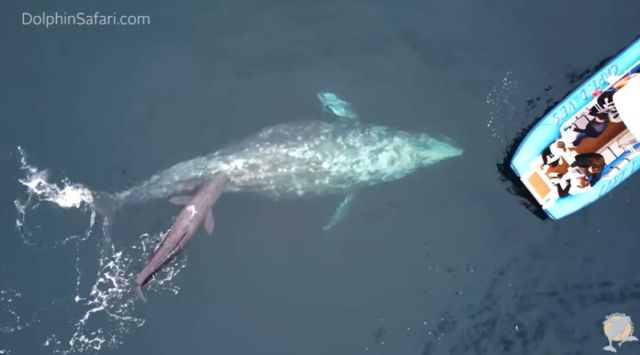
{"x":305,"y":158}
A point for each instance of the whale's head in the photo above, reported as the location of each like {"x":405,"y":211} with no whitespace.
{"x":397,"y":153}
{"x":427,"y":149}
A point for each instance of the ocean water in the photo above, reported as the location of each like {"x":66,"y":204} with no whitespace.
{"x":448,"y":260}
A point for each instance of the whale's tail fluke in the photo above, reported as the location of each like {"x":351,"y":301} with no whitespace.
{"x":105,"y":204}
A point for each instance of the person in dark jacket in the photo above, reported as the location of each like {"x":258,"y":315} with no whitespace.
{"x":589,"y":164}
{"x":604,"y":111}
{"x":583,"y":173}
{"x":593,"y":129}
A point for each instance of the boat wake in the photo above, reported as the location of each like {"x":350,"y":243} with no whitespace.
{"x":99,"y":307}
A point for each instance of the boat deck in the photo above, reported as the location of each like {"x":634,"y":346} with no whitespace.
{"x":608,"y":144}
{"x":589,"y":144}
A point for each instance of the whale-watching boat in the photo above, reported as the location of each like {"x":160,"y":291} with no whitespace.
{"x":599,"y":122}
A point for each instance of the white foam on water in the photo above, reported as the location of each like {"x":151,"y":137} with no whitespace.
{"x":68,"y":196}
{"x":108,"y":300}
{"x":502,"y":112}
{"x":10,"y":321}
{"x":102,"y":312}
{"x":64,"y":194}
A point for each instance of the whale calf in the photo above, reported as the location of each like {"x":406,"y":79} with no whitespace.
{"x":290,"y":160}
{"x":196,"y":211}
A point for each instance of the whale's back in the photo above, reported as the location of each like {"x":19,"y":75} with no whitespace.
{"x":301,"y":159}
{"x":316,"y":157}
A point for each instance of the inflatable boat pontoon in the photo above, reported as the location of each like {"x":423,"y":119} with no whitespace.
{"x":612,"y":94}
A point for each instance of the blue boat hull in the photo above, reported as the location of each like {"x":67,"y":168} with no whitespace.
{"x":547,"y":130}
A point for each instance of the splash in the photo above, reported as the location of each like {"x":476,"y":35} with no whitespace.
{"x":505,"y":118}
{"x":69,"y":196}
{"x":11,"y":321}
{"x":501,"y":109}
{"x":101,"y":309}
{"x":106,"y":315}
{"x":39,"y":189}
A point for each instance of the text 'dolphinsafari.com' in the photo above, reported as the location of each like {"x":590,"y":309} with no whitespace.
{"x":97,"y":18}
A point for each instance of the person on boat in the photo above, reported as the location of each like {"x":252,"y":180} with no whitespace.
{"x":552,"y":155}
{"x":572,"y":183}
{"x":604,"y":106}
{"x":588,"y":164}
{"x":603,"y":111}
{"x":593,"y":129}
{"x":583,"y":173}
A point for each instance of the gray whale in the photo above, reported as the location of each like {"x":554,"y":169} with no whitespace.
{"x":290,"y":160}
{"x":307,"y":158}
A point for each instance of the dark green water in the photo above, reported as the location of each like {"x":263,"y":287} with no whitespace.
{"x":445,"y":261}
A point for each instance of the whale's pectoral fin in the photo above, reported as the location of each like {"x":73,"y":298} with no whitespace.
{"x":137,"y":289}
{"x":180,"y":199}
{"x":209,"y":223}
{"x":340,"y":108}
{"x":341,"y":212}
